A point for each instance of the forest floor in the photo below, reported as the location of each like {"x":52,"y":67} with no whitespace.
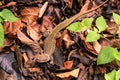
{"x":70,"y":53}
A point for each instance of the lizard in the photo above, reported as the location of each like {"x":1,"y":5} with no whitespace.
{"x":49,"y":43}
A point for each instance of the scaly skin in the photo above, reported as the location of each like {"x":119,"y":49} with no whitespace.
{"x":49,"y":44}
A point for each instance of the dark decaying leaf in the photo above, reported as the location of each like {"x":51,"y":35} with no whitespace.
{"x":9,"y":64}
{"x":58,"y":57}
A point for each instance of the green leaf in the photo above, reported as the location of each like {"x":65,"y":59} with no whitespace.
{"x":118,"y":62}
{"x":92,"y":36}
{"x":87,"y":22}
{"x":119,"y":34}
{"x":8,"y":15}
{"x":117,"y":55}
{"x":100,"y":24}
{"x":95,"y":29}
{"x":106,"y":55}
{"x":1,"y":35}
{"x":116,"y":18}
{"x":118,"y":75}
{"x":1,"y":19}
{"x":111,"y":75}
{"x":76,"y":27}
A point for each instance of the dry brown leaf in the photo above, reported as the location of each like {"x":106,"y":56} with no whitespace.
{"x":23,"y":38}
{"x":73,"y":73}
{"x":97,"y":46}
{"x":34,"y":69}
{"x":30,"y":11}
{"x":42,"y":10}
{"x":46,"y":24}
{"x":11,"y":4}
{"x":85,"y":7}
{"x":35,"y":27}
{"x":33,"y":34}
{"x":111,"y":42}
{"x":24,"y":55}
{"x":10,"y":28}
{"x":68,"y":64}
{"x":8,"y":4}
{"x":61,"y":38}
{"x":111,"y":27}
{"x":29,"y":19}
{"x":30,"y":14}
{"x":90,"y":48}
{"x":67,"y":39}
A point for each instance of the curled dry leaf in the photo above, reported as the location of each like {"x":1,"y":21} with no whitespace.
{"x":111,"y":27}
{"x":90,"y":48}
{"x":35,"y":27}
{"x":32,"y":33}
{"x":34,"y":45}
{"x":10,"y":28}
{"x":86,"y":7}
{"x":67,"y":39}
{"x":23,"y":38}
{"x":30,"y":14}
{"x":73,"y":73}
{"x":97,"y":46}
{"x":46,"y":24}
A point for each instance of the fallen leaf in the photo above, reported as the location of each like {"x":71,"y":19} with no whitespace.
{"x":97,"y":46}
{"x":34,"y":45}
{"x":31,"y":11}
{"x":68,"y":64}
{"x":112,"y":42}
{"x":90,"y":48}
{"x":111,"y":27}
{"x":47,"y":24}
{"x":85,"y":7}
{"x":10,"y":28}
{"x":67,"y":39}
{"x":23,"y":38}
{"x":35,"y":69}
{"x":24,"y":55}
{"x":11,"y":4}
{"x":73,"y":73}
{"x":42,"y":9}
{"x":33,"y":34}
{"x":83,"y":75}
{"x":29,"y":14}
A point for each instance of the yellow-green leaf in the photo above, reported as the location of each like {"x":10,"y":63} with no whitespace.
{"x":92,"y":36}
{"x":1,"y":35}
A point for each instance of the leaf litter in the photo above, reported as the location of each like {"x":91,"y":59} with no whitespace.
{"x":73,"y":58}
